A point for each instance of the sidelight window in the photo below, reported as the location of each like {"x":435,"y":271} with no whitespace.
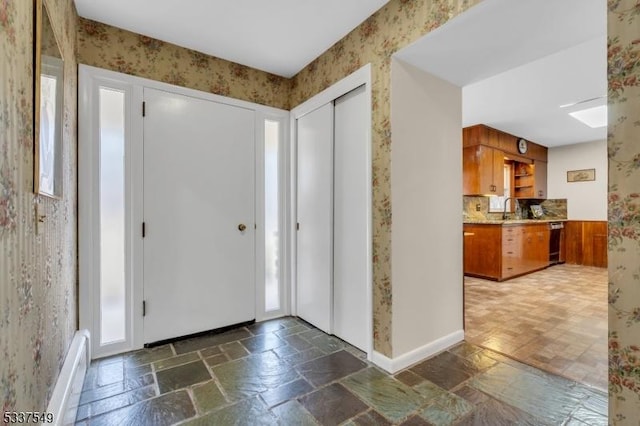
{"x":112,"y":215}
{"x":273,"y":261}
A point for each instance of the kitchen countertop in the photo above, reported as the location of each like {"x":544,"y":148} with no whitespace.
{"x":509,"y":221}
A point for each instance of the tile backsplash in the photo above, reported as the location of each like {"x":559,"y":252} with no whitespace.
{"x":477,"y":208}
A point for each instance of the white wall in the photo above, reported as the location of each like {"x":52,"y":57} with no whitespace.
{"x":426,"y":188}
{"x":585,"y":200}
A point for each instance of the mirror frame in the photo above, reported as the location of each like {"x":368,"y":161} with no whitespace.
{"x":51,"y":164}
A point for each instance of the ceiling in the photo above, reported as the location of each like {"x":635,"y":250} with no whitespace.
{"x":277,"y":36}
{"x":526,"y":58}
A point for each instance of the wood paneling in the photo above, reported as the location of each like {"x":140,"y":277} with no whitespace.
{"x":594,"y":244}
{"x":586,"y":243}
{"x":573,"y":242}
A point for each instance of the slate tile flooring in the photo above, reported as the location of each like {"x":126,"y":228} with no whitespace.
{"x":285,"y":372}
{"x":554,"y":319}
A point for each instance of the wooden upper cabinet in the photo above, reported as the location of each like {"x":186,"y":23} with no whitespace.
{"x":483,"y":170}
{"x":484,"y":151}
{"x":540,"y":179}
{"x":505,"y":142}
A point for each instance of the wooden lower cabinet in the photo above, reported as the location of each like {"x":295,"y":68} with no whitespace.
{"x":500,"y":252}
{"x":481,"y":253}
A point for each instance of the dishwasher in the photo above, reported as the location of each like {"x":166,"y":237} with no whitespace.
{"x":556,"y":230}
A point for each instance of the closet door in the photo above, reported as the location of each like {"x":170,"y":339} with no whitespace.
{"x":351,"y":219}
{"x":314,"y":297}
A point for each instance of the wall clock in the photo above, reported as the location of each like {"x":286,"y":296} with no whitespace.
{"x":522,"y":146}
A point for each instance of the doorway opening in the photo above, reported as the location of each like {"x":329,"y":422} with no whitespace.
{"x":561,"y":324}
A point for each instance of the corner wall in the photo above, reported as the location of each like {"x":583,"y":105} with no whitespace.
{"x":38,"y":271}
{"x":426,"y":178}
{"x":585,"y":200}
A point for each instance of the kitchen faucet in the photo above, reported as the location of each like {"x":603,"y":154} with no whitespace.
{"x":504,"y":212}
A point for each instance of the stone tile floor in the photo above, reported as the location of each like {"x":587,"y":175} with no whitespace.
{"x":554,"y":319}
{"x":285,"y":372}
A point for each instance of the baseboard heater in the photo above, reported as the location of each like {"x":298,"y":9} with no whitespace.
{"x":66,"y":394}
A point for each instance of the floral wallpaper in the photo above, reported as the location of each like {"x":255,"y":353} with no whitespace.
{"x":624,"y":211}
{"x":104,"y":46}
{"x":38,"y":278}
{"x":397,"y":24}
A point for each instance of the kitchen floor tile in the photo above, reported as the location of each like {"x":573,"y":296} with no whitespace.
{"x":549,"y":319}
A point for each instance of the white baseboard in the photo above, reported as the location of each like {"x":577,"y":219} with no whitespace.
{"x":66,"y":394}
{"x":393,"y":365}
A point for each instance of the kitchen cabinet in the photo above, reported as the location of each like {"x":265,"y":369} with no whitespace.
{"x":536,"y":246}
{"x":481,"y":256}
{"x":503,"y":251}
{"x":530,"y":180}
{"x":540,"y":179}
{"x":505,"y":142}
{"x":512,"y":251}
{"x":483,"y":171}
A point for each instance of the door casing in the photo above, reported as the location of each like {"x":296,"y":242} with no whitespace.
{"x":90,"y":78}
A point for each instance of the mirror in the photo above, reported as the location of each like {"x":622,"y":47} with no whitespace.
{"x":48,"y":106}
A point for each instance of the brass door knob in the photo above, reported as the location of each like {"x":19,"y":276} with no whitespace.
{"x":242,"y":227}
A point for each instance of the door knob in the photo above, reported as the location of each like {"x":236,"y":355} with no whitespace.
{"x":242,"y":227}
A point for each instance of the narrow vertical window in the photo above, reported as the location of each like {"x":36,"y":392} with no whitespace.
{"x":272,"y":215}
{"x":112,"y":216}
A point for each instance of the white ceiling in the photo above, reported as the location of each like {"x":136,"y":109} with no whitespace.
{"x":277,"y":36}
{"x":518,"y":61}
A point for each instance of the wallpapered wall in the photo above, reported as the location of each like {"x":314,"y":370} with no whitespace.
{"x":37,"y":271}
{"x":119,"y":50}
{"x":624,"y":211}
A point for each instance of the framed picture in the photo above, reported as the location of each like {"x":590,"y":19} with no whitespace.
{"x":583,"y":175}
{"x":48,"y":106}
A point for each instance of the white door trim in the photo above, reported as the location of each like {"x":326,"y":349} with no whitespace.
{"x":358,"y":78}
{"x":89,"y":77}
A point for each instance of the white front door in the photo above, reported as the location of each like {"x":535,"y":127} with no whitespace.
{"x":314,"y":301}
{"x":198,"y":214}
